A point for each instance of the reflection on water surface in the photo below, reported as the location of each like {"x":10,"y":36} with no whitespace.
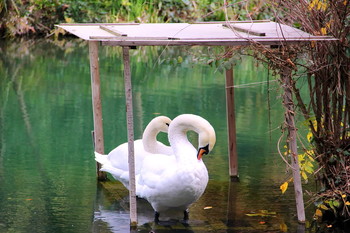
{"x":47,"y":169}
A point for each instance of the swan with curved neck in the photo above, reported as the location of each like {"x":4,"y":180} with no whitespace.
{"x":149,"y":136}
{"x":116,"y":162}
{"x":175,"y":182}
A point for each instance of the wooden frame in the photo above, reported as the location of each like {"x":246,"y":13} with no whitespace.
{"x":232,"y":33}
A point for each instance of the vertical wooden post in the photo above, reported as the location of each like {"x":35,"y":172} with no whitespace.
{"x":130,"y":127}
{"x":231,"y":125}
{"x":286,"y":76}
{"x":96,"y":104}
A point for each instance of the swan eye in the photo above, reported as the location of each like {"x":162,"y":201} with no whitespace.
{"x":167,"y":124}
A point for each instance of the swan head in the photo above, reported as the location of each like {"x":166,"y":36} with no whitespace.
{"x":158,"y":124}
{"x":206,"y":140}
{"x":190,"y":122}
{"x":161,"y":123}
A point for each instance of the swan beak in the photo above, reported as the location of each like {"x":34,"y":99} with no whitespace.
{"x":202,"y":151}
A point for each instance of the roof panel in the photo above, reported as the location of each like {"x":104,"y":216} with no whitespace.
{"x":209,"y":33}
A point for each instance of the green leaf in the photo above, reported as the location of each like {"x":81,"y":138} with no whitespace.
{"x":336,"y":203}
{"x":322,"y":206}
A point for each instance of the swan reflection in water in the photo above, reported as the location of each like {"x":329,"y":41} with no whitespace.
{"x":114,"y":218}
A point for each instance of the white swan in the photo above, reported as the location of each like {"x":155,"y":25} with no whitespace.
{"x":175,"y":182}
{"x":116,"y":162}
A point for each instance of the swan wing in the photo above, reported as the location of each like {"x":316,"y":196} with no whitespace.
{"x":154,"y":170}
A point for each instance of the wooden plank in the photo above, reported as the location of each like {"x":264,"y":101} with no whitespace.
{"x":215,"y":40}
{"x":244,"y":21}
{"x":129,"y":38}
{"x":130,"y":127}
{"x":286,"y":76}
{"x":231,"y":125}
{"x":112,"y":31}
{"x":96,"y":105}
{"x":233,"y":42}
{"x":95,"y":24}
{"x":249,"y":31}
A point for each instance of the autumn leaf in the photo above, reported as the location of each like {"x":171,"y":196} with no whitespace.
{"x":69,"y":20}
{"x":283,"y":227}
{"x":303,"y":174}
{"x":284,"y":187}
{"x":262,"y":213}
{"x":309,"y":136}
{"x":318,"y":213}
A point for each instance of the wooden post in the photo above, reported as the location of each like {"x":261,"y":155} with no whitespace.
{"x":130,"y":127}
{"x":96,"y":105}
{"x":231,"y":125}
{"x":286,"y":76}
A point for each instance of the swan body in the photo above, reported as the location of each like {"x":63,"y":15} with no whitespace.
{"x":116,"y":162}
{"x":175,"y":182}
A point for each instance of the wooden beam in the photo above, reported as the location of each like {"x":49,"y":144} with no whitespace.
{"x":130,"y":127}
{"x":96,"y":105}
{"x":112,"y":31}
{"x":97,"y":24}
{"x":245,"y":30}
{"x":209,"y":42}
{"x":231,"y":125}
{"x":222,"y":22}
{"x":131,"y":38}
{"x":286,"y":76}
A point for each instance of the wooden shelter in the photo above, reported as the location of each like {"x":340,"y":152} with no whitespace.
{"x":241,"y":33}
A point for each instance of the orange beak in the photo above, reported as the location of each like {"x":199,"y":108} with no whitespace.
{"x":202,"y":151}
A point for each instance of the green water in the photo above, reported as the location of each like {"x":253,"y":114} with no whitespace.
{"x":47,"y":169}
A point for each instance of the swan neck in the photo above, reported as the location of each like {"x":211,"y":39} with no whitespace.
{"x":179,"y":142}
{"x":149,"y":139}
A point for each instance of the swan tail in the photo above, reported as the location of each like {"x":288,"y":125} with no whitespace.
{"x":102,"y":159}
{"x":118,"y":174}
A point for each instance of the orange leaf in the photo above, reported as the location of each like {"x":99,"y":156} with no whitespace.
{"x":284,"y":187}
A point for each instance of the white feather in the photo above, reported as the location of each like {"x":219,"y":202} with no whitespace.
{"x":116,"y":162}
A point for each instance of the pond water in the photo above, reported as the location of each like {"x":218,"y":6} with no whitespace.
{"x":47,"y":168}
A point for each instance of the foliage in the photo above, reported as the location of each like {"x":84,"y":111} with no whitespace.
{"x":327,"y":108}
{"x":38,"y":17}
{"x":329,"y":83}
